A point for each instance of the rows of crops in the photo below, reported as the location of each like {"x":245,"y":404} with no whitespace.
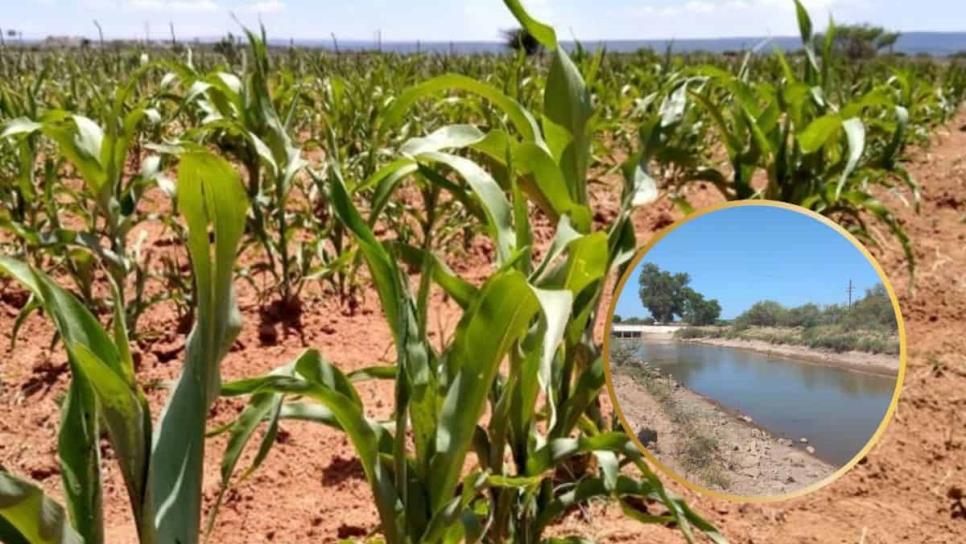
{"x":279,"y":168}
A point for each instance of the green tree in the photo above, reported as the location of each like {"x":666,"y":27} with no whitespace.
{"x":699,"y":311}
{"x":663,"y":294}
{"x":863,"y":41}
{"x":872,"y":311}
{"x":807,"y":315}
{"x":766,"y":313}
{"x":519,"y":39}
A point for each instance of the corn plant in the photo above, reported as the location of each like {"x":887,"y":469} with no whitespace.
{"x":516,"y":389}
{"x":240,"y":116}
{"x":818,"y":147}
{"x":104,"y":208}
{"x":161,"y":464}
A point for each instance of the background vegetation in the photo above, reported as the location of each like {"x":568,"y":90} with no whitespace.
{"x":868,"y":325}
{"x":666,"y":295}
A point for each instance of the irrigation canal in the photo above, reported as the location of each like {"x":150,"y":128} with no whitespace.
{"x":836,"y":409}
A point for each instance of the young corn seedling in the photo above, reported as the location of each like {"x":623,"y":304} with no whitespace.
{"x":104,"y":208}
{"x":814,"y":152}
{"x":161,"y":463}
{"x":240,"y":117}
{"x":499,"y":433}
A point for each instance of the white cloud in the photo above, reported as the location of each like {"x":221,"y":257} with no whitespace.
{"x":187,"y":6}
{"x":176,"y":6}
{"x":264,"y":6}
{"x":724,"y":18}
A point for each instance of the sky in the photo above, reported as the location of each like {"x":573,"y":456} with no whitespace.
{"x":743,"y":255}
{"x":466,"y":20}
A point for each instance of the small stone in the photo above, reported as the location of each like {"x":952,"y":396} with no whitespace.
{"x":810,"y":450}
{"x":803,"y":440}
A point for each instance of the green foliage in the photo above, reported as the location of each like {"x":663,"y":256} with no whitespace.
{"x":863,"y":41}
{"x":161,"y":466}
{"x":873,"y":311}
{"x":523,"y":350}
{"x":28,"y":516}
{"x":698,"y":311}
{"x":522,"y":41}
{"x":869,"y":325}
{"x":767,"y":313}
{"x":663,"y":294}
{"x":666,"y":295}
{"x":818,"y":133}
{"x":241,"y":116}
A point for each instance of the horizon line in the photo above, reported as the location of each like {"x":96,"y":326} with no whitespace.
{"x":162,"y":37}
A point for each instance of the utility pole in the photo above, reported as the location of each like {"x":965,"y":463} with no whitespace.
{"x":100,"y":33}
{"x":850,"y":289}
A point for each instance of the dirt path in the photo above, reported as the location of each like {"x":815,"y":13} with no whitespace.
{"x":707,"y":445}
{"x":311,"y":488}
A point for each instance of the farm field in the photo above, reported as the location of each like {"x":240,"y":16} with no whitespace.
{"x":418,"y":228}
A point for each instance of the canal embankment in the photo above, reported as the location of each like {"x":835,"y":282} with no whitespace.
{"x":709,"y":444}
{"x":860,"y":361}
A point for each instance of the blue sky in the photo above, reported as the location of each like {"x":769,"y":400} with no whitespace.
{"x":740,"y":256}
{"x":466,"y":20}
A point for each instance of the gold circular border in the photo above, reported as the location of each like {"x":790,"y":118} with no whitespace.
{"x":758,"y":499}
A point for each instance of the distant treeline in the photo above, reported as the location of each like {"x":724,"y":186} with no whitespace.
{"x":873,"y":311}
{"x":868,"y":325}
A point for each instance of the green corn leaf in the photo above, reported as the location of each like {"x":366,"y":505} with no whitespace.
{"x":498,"y":210}
{"x":544,"y":34}
{"x":128,"y":420}
{"x":564,"y":235}
{"x":328,"y":386}
{"x":263,"y":406}
{"x":501,"y":315}
{"x":28,"y":516}
{"x":550,"y":184}
{"x":804,"y":22}
{"x":80,"y":140}
{"x":456,"y":287}
{"x":539,"y":176}
{"x":20,"y":126}
{"x":78,"y":437}
{"x":385,"y":182}
{"x":819,"y":132}
{"x":521,"y":119}
{"x":828,"y":48}
{"x":555,"y":305}
{"x":448,"y":137}
{"x":210,"y":194}
{"x":855,"y":134}
{"x":567,"y":111}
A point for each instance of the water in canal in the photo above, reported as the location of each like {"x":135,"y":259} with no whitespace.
{"x":837,"y":410}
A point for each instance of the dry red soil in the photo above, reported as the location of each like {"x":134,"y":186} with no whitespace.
{"x":311,"y":488}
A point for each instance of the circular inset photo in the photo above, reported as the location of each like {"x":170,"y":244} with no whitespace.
{"x":755,"y":351}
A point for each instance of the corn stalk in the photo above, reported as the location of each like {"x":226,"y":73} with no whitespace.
{"x":161,"y":465}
